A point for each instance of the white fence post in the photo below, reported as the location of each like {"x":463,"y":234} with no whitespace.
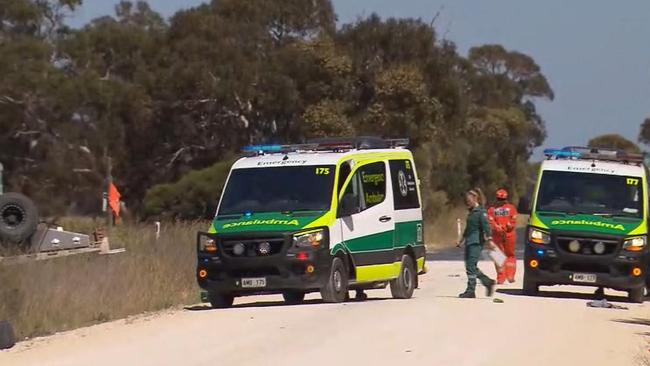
{"x":157,"y":225}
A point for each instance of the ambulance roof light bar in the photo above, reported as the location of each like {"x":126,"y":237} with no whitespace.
{"x":589,"y":153}
{"x":329,"y":144}
{"x":276,"y":148}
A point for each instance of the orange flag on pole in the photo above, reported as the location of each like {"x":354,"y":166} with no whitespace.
{"x":114,"y":199}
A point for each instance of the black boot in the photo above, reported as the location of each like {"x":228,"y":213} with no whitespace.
{"x":361,"y":295}
{"x":489,"y":288}
{"x":467,"y":295}
{"x":600,"y":293}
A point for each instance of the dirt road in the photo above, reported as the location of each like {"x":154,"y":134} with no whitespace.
{"x":434,"y":328}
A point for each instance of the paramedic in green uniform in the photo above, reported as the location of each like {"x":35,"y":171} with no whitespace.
{"x":477,"y":231}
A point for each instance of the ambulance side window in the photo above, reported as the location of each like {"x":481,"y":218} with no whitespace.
{"x":373,"y":183}
{"x":405,"y":190}
{"x":368,"y":186}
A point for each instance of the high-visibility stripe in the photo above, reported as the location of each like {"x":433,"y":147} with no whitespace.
{"x":378,"y":272}
{"x":420,"y":264}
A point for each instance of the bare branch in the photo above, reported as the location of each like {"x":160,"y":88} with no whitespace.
{"x":436,"y":16}
{"x":25,"y":133}
{"x":5,"y":99}
{"x":177,"y":154}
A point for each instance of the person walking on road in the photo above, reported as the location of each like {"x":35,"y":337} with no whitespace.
{"x":477,"y":232}
{"x":503,"y":222}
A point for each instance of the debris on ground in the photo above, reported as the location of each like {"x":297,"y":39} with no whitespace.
{"x":605,"y":304}
{"x":497,"y":301}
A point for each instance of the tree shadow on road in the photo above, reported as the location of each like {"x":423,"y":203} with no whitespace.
{"x":636,"y":321}
{"x":562,"y":295}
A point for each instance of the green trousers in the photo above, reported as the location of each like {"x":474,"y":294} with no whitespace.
{"x":472,"y":255}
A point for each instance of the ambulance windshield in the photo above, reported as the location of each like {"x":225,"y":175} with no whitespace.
{"x":593,"y":194}
{"x":278,"y":189}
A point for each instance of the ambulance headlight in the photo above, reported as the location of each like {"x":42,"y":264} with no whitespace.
{"x":207,"y":244}
{"x":537,"y":236}
{"x":310,"y":239}
{"x":635,"y":244}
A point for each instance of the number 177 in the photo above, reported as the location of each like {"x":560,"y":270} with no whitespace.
{"x":632,"y":182}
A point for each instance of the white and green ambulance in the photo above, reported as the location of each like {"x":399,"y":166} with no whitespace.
{"x":330,"y":216}
{"x":589,"y":222}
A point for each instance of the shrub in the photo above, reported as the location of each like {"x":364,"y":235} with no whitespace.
{"x":193,"y":196}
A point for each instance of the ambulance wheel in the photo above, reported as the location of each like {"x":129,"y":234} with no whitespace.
{"x":336,"y":288}
{"x":293,"y":297}
{"x":220,"y":301}
{"x":403,"y":286}
{"x":530,"y":288}
{"x":636,"y":295}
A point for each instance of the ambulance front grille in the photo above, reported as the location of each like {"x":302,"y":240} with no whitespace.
{"x":252,"y":247}
{"x":587,"y":246}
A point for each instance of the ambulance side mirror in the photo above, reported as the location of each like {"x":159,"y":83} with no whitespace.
{"x":348,"y":205}
{"x":524,"y":205}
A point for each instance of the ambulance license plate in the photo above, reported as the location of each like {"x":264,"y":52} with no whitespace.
{"x":253,"y":282}
{"x":584,"y":277}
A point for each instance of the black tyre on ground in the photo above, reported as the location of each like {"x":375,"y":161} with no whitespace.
{"x":220,"y":301}
{"x":530,"y":288}
{"x":636,"y":295}
{"x":7,"y":336}
{"x":18,"y":218}
{"x":293,"y":297}
{"x":403,"y":286}
{"x":336,"y":288}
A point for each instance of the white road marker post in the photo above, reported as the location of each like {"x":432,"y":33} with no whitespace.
{"x":157,"y":226}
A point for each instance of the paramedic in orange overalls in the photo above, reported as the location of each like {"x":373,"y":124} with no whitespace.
{"x":503,"y":220}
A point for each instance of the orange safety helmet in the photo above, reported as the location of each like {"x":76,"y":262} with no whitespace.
{"x":502,"y":194}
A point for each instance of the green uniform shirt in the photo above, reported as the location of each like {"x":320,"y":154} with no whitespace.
{"x":477,"y":227}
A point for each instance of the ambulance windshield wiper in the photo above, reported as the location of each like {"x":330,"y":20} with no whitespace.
{"x":299,"y":210}
{"x":551,"y":212}
{"x":620,"y":215}
{"x":229,"y":216}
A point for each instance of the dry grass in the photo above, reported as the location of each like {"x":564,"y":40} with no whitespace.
{"x":442,"y":232}
{"x":44,"y":297}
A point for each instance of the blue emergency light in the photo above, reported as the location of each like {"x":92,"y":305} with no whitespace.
{"x":562,"y":153}
{"x":262,"y":148}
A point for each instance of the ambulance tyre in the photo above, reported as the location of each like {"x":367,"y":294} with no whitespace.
{"x":403,"y":286}
{"x":293,"y":297}
{"x":530,"y":288}
{"x":220,"y":301}
{"x":636,"y":295}
{"x":336,"y":288}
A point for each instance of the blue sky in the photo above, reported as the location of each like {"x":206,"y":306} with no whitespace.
{"x":595,"y":53}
